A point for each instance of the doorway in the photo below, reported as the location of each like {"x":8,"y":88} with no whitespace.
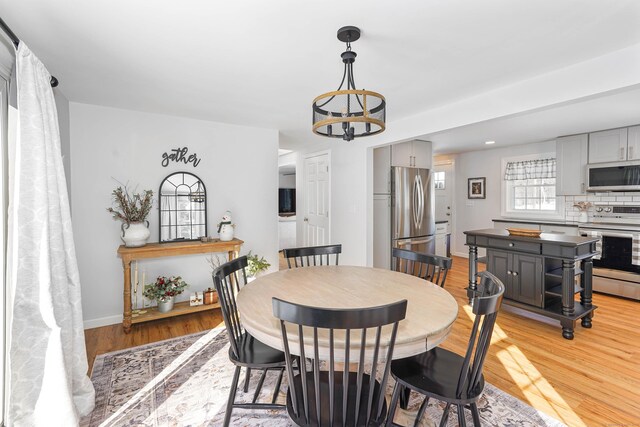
{"x":317,"y":197}
{"x":286,"y":206}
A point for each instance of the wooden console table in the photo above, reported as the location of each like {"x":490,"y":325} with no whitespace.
{"x":159,"y":250}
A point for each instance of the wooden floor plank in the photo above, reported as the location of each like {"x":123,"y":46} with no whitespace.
{"x":593,"y":380}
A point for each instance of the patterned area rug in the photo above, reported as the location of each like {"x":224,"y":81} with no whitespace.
{"x":185,"y":382}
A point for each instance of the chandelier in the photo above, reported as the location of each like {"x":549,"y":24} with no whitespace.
{"x":349,"y":113}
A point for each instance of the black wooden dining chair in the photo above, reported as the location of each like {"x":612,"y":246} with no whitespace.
{"x":336,"y":396}
{"x":433,"y":268}
{"x":245,"y":351}
{"x":312,"y":255}
{"x":447,"y":376}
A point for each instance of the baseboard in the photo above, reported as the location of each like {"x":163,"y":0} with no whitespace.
{"x":102,"y":321}
{"x":461,"y":254}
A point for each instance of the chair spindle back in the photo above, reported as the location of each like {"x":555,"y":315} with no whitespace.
{"x":228,"y":279}
{"x":485,"y":304}
{"x":433,"y":268}
{"x":312,"y":255}
{"x":337,"y":395}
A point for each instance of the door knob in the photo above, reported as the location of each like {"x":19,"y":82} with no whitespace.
{"x":306,"y":219}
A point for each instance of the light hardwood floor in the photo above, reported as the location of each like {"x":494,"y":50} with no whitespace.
{"x":593,"y":380}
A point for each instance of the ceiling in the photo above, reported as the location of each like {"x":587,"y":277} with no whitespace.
{"x":582,"y":116}
{"x":261,"y":63}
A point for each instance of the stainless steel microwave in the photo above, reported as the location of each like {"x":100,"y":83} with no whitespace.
{"x":616,"y":176}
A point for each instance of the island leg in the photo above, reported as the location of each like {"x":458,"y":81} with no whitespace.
{"x":586,"y":283}
{"x":568,"y":304}
{"x":473,"y":271}
{"x":126,"y":317}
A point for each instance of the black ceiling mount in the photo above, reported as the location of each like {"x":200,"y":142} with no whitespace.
{"x":348,"y":34}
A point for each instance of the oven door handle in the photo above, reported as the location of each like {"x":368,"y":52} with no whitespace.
{"x":608,"y":233}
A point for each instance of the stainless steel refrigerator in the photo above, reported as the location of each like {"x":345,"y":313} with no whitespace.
{"x":412,"y":210}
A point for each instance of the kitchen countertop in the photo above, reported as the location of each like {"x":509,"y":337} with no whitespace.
{"x":540,"y":221}
{"x":560,"y":239}
{"x":600,"y":225}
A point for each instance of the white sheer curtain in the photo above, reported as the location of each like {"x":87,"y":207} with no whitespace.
{"x":48,"y":384}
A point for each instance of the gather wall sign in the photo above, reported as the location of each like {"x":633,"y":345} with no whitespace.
{"x":179,"y":155}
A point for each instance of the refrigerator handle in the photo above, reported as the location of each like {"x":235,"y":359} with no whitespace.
{"x":416,"y":201}
{"x":420,"y":201}
{"x":414,"y":242}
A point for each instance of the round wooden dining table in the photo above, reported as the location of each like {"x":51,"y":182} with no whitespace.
{"x":431,"y":310}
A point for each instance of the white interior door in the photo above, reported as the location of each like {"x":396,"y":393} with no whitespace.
{"x":317,"y":194}
{"x":443,"y":188}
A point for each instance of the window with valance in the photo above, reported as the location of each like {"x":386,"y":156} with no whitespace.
{"x":531,"y":186}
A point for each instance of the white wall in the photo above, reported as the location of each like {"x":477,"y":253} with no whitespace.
{"x":62,"y":105}
{"x":478,"y":213}
{"x":348,"y":197}
{"x":239,"y":167}
{"x":287,"y":181}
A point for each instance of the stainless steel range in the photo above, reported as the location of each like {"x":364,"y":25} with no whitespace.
{"x":617,"y":270}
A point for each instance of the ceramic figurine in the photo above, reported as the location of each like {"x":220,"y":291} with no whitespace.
{"x":225,"y":227}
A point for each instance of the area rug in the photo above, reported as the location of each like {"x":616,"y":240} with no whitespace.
{"x":185,"y":382}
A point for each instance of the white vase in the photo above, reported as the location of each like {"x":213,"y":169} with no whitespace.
{"x":165,"y":306}
{"x":226,"y":232}
{"x":584,"y":217}
{"x":135,"y":234}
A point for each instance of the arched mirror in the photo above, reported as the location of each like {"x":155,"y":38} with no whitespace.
{"x":183,"y":207}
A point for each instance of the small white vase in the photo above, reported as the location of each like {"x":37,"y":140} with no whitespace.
{"x":166,"y":306}
{"x":135,"y":234}
{"x":584,"y":217}
{"x":226,"y":232}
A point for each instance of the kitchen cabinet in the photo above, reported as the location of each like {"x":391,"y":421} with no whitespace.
{"x":443,"y":238}
{"x":611,"y":146}
{"x":382,"y":170}
{"x":382,"y":231}
{"x":633,"y":142}
{"x":414,"y":154}
{"x":571,"y":165}
{"x":521,"y":275}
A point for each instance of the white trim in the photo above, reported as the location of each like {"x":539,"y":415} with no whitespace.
{"x":102,"y":321}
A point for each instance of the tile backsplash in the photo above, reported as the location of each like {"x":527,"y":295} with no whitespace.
{"x":605,"y":198}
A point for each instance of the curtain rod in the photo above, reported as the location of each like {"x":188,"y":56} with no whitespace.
{"x":16,"y":42}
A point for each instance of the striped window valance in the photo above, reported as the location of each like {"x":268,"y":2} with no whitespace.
{"x":530,"y":169}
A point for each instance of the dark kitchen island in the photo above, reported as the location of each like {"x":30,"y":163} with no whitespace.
{"x":539,"y":273}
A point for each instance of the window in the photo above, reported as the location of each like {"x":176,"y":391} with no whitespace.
{"x":533,"y":194}
{"x":530,"y":187}
{"x":438,"y":180}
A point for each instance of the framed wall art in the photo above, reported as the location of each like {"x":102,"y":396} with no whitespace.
{"x":477,"y":188}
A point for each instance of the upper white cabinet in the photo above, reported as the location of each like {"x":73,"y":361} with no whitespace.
{"x":633,"y":143}
{"x":611,"y":146}
{"x":571,"y":162}
{"x":414,"y":154}
{"x":382,"y":170}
